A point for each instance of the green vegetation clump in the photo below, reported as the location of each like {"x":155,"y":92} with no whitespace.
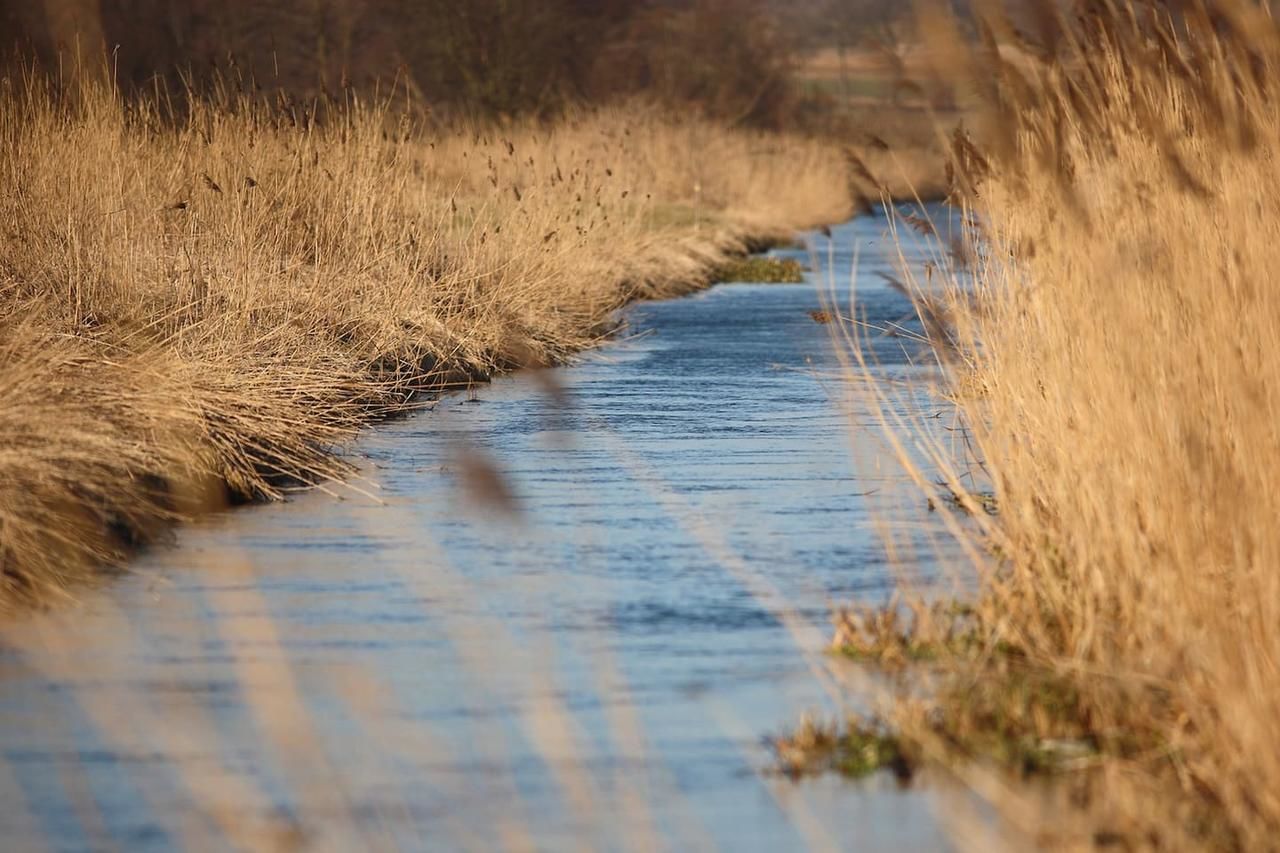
{"x":967,"y":502}
{"x":992,"y":702}
{"x":853,"y":749}
{"x":762,"y":269}
{"x":1004,"y":710}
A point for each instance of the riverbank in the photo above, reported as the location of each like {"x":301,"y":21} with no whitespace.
{"x":201,"y":313}
{"x":1110,"y":354}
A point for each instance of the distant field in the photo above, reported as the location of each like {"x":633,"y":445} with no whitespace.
{"x":866,"y":75}
{"x":885,"y":99}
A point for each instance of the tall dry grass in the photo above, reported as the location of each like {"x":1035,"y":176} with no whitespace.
{"x":200,"y":311}
{"x":1114,"y":353}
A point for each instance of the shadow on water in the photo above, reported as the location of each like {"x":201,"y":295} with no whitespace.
{"x":418,"y":671}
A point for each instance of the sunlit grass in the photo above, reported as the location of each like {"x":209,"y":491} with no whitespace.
{"x":200,"y":310}
{"x":1110,"y":330}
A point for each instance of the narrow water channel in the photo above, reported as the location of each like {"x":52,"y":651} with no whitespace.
{"x":592,"y":666}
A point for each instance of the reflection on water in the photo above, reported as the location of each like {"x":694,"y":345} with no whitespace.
{"x":407,"y":669}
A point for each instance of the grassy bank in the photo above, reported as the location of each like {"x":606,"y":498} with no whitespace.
{"x":201,"y":312}
{"x":1113,"y":352}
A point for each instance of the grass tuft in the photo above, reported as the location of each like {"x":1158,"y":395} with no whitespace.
{"x":853,"y":749}
{"x":761,"y":269}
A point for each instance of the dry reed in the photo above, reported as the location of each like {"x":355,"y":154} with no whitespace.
{"x":200,"y":311}
{"x":1116,"y":335}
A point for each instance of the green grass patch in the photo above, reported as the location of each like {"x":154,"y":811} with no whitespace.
{"x":853,"y":749}
{"x":967,"y":502}
{"x":762,"y":269}
{"x":990,"y":701}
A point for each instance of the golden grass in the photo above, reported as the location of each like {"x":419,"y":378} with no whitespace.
{"x":1122,"y":327}
{"x":199,"y":312}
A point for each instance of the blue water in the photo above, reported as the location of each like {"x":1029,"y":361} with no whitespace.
{"x":585,"y":655}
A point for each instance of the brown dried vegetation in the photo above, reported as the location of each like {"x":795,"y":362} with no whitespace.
{"x":1119,"y":318}
{"x":201,"y":310}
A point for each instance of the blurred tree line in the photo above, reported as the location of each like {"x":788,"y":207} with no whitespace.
{"x":730,"y":58}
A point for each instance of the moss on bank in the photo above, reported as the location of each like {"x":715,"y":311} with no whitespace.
{"x":853,"y":748}
{"x":760,"y":269}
